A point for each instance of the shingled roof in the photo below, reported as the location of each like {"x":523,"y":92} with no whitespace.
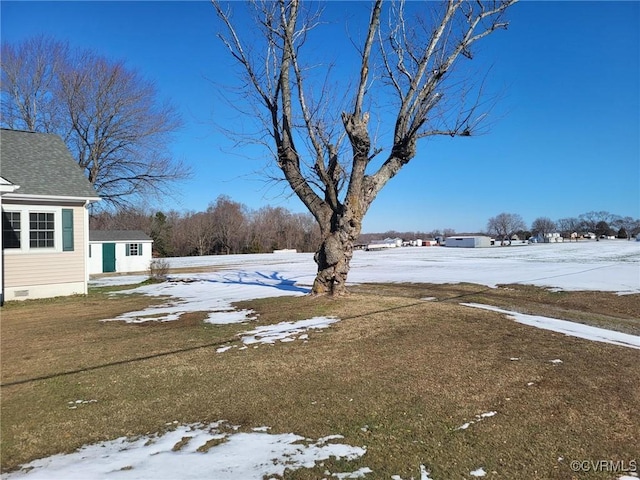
{"x":118,"y":236}
{"x":41,"y":164}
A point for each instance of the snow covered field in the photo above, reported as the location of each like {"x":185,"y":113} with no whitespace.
{"x":607,"y":266}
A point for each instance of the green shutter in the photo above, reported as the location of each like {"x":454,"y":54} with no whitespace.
{"x":126,"y":249}
{"x":139,"y":249}
{"x":67,"y":230}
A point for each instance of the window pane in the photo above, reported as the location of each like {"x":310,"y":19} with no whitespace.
{"x":41,"y":230}
{"x":11,"y":229}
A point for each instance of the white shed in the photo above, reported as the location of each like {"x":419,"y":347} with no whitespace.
{"x":386,"y":243}
{"x":468,"y":241}
{"x":119,"y":251}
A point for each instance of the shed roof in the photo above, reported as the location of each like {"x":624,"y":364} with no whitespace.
{"x":119,"y":236}
{"x":41,"y":164}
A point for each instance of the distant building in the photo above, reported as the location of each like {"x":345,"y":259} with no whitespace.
{"x":468,"y":241}
{"x":386,"y":243}
{"x":119,"y":251}
{"x":547,"y":238}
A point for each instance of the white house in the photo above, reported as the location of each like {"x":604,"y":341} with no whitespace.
{"x":547,"y":238}
{"x":386,"y":243}
{"x":44,"y":198}
{"x":468,"y":241}
{"x":119,"y":251}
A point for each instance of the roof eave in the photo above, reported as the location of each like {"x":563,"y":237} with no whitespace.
{"x":8,"y":188}
{"x":49,"y":198}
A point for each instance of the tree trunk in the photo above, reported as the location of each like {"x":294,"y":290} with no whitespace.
{"x":334,"y":255}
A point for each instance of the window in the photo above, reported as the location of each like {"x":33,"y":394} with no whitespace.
{"x":11,"y":229}
{"x":133,"y":249}
{"x":41,"y":230}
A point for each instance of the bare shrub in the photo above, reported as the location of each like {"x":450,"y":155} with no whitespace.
{"x":158,"y":269}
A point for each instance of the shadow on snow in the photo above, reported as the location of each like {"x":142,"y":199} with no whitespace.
{"x":259,"y":279}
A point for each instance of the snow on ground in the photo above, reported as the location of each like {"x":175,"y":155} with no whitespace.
{"x":608,"y":266}
{"x":209,"y":292}
{"x":612,"y":266}
{"x":478,"y":473}
{"x":480,"y":417}
{"x":193,"y":452}
{"x":572,"y":329}
{"x":283,"y":332}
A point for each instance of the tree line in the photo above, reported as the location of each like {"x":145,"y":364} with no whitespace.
{"x":225,"y":227}
{"x":229,"y":227}
{"x":599,"y":223}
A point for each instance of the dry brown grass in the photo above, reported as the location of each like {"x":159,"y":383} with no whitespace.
{"x":397,"y":374}
{"x":601,"y":309}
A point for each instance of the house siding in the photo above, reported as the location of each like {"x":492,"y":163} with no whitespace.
{"x":38,"y":274}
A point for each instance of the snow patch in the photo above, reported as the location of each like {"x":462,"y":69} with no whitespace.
{"x":572,"y":329}
{"x":360,"y":473}
{"x":284,"y":331}
{"x":213,"y":292}
{"x":480,"y":417}
{"x":193,"y":452}
{"x":424,"y":474}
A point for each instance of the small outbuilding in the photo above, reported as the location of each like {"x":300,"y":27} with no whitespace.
{"x":119,"y":251}
{"x":386,"y":243}
{"x":468,"y":241}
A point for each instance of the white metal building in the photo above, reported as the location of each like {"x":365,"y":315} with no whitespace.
{"x":386,"y":243}
{"x":468,"y":241}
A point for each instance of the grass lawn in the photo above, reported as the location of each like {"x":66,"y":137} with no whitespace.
{"x":398,"y":374}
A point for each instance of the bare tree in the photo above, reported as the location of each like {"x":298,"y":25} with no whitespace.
{"x":591,"y":219}
{"x":629,"y":225}
{"x":409,"y":61}
{"x":505,"y":225}
{"x":448,"y":232}
{"x":30,"y":74}
{"x":108,"y":115}
{"x":228,"y":221}
{"x":126,"y":219}
{"x":569,"y":227}
{"x":542,"y":226}
{"x":199,"y":232}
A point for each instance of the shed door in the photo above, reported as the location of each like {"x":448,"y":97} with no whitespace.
{"x":108,"y":257}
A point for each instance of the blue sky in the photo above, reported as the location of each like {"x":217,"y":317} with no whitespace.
{"x":564,"y":138}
